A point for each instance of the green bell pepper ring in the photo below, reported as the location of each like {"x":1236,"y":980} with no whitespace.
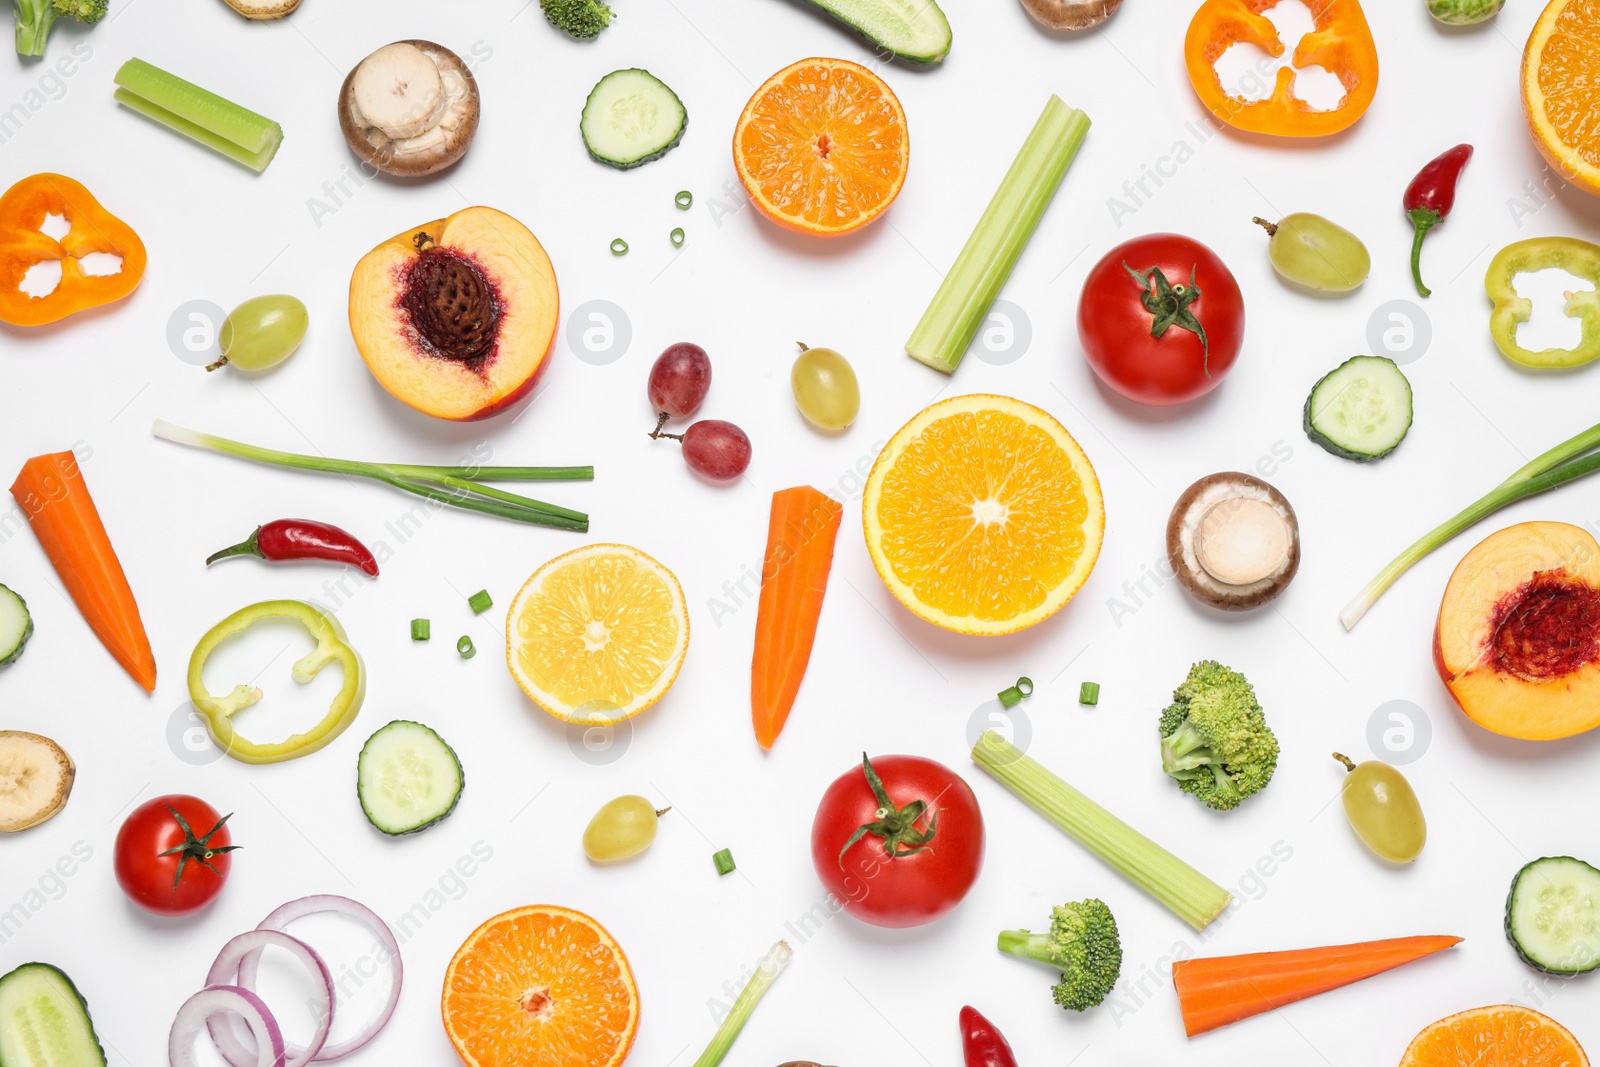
{"x":331,"y":648}
{"x":1576,"y":257}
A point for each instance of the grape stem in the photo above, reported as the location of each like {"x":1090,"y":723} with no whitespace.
{"x":661,"y":420}
{"x":678,"y":437}
{"x":1270,"y":227}
{"x":1349,"y":764}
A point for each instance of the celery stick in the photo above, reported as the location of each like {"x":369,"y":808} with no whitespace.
{"x":215,"y":122}
{"x":964,"y":298}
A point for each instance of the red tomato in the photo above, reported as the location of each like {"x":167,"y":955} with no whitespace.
{"x":153,"y":880}
{"x":1149,"y":281}
{"x":918,"y":840}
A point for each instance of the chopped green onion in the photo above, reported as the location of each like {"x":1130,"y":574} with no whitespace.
{"x":724,"y":861}
{"x":772,"y":965}
{"x":446,"y":485}
{"x":480,"y":602}
{"x":421,"y":629}
{"x":203,"y":116}
{"x":619,"y":247}
{"x":1089,"y":693}
{"x":684,"y":199}
{"x":1011,"y":697}
{"x":464,"y":646}
{"x":1189,"y":894}
{"x":962,"y":303}
{"x":676,"y":237}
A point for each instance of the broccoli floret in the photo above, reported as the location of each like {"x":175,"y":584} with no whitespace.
{"x":578,"y":18}
{"x":1215,"y":741}
{"x":36,"y":17}
{"x":1083,"y":944}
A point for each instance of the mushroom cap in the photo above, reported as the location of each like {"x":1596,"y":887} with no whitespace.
{"x":1224,"y":519}
{"x":431,"y":151}
{"x":260,"y":10}
{"x":1070,"y":14}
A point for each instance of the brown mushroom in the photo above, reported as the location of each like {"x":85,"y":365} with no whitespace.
{"x":409,"y":109}
{"x":1070,"y":14}
{"x":262,"y":10}
{"x":1233,"y":541}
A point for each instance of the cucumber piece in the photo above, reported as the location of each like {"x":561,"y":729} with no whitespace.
{"x":1553,"y":915}
{"x":630,"y":118}
{"x":44,"y":1021}
{"x":407,"y":778}
{"x":16,"y":625}
{"x":1361,"y":409}
{"x":914,"y":30}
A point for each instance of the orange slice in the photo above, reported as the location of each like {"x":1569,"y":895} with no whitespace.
{"x":822,"y":147}
{"x":983,"y":515}
{"x":597,"y":634}
{"x":1561,"y":89}
{"x":1500,"y":1036}
{"x":540,"y":986}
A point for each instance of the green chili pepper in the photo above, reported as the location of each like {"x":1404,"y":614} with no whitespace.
{"x":1576,"y":257}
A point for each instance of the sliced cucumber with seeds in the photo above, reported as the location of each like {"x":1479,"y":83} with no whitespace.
{"x":914,"y":30}
{"x":16,"y":625}
{"x":630,"y":118}
{"x":1361,"y":409}
{"x":407,"y":778}
{"x":1553,"y":915}
{"x":44,"y":1021}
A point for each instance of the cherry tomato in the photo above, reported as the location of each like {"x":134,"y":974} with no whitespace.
{"x":1161,"y":319}
{"x":173,"y":854}
{"x":898,"y":841}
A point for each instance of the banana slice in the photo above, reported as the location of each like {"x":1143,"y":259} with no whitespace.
{"x":260,"y":10}
{"x":399,"y":90}
{"x":35,"y":779}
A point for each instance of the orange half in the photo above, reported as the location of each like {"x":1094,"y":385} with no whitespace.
{"x":822,"y":147}
{"x":1561,"y":89}
{"x":983,"y":515}
{"x":540,"y":986}
{"x":1500,"y":1036}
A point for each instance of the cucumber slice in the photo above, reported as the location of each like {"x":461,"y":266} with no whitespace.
{"x":44,"y":1021}
{"x":1553,"y":915}
{"x":914,"y":30}
{"x":407,"y":778}
{"x":1361,"y":409}
{"x":630,"y":118}
{"x":16,"y":625}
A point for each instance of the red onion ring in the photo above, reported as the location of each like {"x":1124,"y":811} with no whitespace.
{"x":349,"y":909}
{"x":218,"y":1000}
{"x":227,"y":966}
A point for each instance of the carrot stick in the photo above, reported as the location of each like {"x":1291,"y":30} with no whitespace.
{"x":794,"y":576}
{"x":1222,"y":990}
{"x":53,"y":495}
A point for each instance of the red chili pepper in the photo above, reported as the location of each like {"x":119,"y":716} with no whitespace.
{"x":982,"y":1044}
{"x":1429,"y":198}
{"x":291,"y":539}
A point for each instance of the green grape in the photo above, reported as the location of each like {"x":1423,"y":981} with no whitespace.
{"x":262,"y":332}
{"x":621,"y":829}
{"x":825,"y":388}
{"x":1383,"y":810}
{"x":1309,"y":250}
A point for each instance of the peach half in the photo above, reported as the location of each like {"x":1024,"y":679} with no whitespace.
{"x":457,"y":317}
{"x":1517,"y":641}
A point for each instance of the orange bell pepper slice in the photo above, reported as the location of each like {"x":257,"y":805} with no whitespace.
{"x":1341,"y":43}
{"x":93,"y":229}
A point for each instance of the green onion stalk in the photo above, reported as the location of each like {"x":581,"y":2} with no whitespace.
{"x":1189,"y":894}
{"x":1568,"y":461}
{"x":962,"y":303}
{"x":454,"y":486}
{"x":772,"y":965}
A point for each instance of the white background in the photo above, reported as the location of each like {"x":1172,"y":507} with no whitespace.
{"x":880,"y":680}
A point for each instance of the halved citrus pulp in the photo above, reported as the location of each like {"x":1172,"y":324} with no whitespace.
{"x":822,"y":147}
{"x":1500,"y":1036}
{"x":540,"y":986}
{"x":597,"y":635}
{"x":1561,"y":89}
{"x":983,"y":515}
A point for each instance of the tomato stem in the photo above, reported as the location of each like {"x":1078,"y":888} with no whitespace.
{"x":196,"y":848}
{"x":1168,"y":305}
{"x":896,"y":826}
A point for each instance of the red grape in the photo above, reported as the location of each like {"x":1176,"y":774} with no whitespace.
{"x":680,"y":379}
{"x":716,"y":449}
